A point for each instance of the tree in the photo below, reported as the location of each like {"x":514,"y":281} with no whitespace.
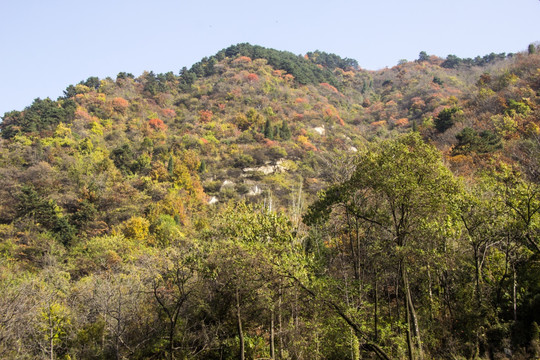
{"x":402,"y":189}
{"x":446,"y":118}
{"x":268,"y":130}
{"x":469,"y":140}
{"x":250,"y":258}
{"x":423,"y":56}
{"x":285,"y":132}
{"x":174,"y":280}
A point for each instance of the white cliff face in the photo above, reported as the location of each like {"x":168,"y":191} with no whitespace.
{"x":254,"y":191}
{"x":226,"y":184}
{"x":268,"y":169}
{"x":320,"y":129}
{"x":265,"y":169}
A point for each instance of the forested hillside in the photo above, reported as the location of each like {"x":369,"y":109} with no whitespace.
{"x":267,"y":205}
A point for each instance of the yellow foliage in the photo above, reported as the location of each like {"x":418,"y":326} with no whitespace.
{"x":136,"y":228}
{"x":378,"y":123}
{"x":62,"y":131}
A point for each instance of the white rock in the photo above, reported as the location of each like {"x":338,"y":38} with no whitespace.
{"x":213,"y":200}
{"x":353,"y":149}
{"x":266,"y":169}
{"x":320,"y":130}
{"x":226,"y":184}
{"x":255,"y":190}
{"x":280,"y":166}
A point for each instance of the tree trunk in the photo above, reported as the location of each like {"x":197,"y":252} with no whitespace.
{"x":272,"y":347}
{"x":411,"y":313}
{"x":171,"y":339}
{"x":51,"y":335}
{"x":408,"y":329}
{"x":477,"y":276}
{"x":514,"y":293}
{"x":430,"y":294}
{"x":376,"y":319}
{"x":240,"y":332}
{"x":280,"y":323}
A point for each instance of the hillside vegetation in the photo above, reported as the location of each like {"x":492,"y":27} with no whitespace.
{"x":263,"y":204}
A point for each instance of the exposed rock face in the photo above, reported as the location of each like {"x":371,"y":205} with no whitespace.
{"x":320,"y":129}
{"x":265,"y":169}
{"x":254,"y":191}
{"x":226,"y":184}
{"x":213,"y":200}
{"x":268,"y":168}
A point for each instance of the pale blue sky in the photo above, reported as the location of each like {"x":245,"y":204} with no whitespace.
{"x":47,"y":45}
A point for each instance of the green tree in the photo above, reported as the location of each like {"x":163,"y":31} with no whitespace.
{"x":423,"y":56}
{"x":446,"y":118}
{"x":469,"y":140}
{"x":285,"y":132}
{"x":402,"y":189}
{"x":268,"y":130}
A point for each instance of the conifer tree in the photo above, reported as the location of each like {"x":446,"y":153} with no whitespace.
{"x":285,"y":132}
{"x":170,"y":165}
{"x":268,"y":130}
{"x":202,"y":166}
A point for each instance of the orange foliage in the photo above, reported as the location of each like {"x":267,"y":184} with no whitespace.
{"x":241,"y":60}
{"x":157,"y":124}
{"x":462,"y":164}
{"x":417,"y":103}
{"x":221,"y":107}
{"x":288,"y":77}
{"x":402,"y":122}
{"x":378,"y":123}
{"x":253,"y":77}
{"x":331,"y":113}
{"x":168,"y":113}
{"x":300,"y":100}
{"x":81,"y":113}
{"x":306,"y":144}
{"x":277,"y":73}
{"x":205,"y":115}
{"x":268,"y":142}
{"x":120,"y":104}
{"x":329,"y":87}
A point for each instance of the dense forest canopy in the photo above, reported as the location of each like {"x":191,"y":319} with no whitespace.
{"x":267,"y":205}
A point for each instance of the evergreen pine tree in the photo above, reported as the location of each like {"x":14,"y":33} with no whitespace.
{"x":170,"y":165}
{"x":268,"y":130}
{"x":285,"y":132}
{"x":202,"y":166}
{"x":276,"y":132}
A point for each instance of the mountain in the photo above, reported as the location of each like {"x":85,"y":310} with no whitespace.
{"x":160,"y":216}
